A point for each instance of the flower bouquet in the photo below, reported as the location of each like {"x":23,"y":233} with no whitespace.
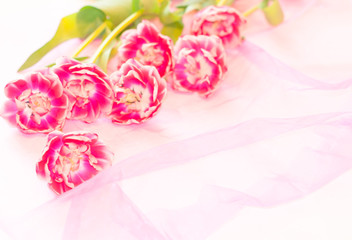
{"x":147,"y":61}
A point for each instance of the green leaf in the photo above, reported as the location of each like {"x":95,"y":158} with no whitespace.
{"x":67,"y":29}
{"x":104,"y":58}
{"x":88,"y":19}
{"x":263,"y":4}
{"x":76,"y":25}
{"x":81,"y":58}
{"x":193,"y":7}
{"x":173,"y":30}
{"x":151,"y":7}
{"x":190,"y":5}
{"x":117,"y":10}
{"x":135,"y":5}
{"x":273,"y":13}
{"x":172,"y":20}
{"x":167,"y":16}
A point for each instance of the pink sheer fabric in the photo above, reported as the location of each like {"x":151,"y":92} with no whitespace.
{"x":273,"y":132}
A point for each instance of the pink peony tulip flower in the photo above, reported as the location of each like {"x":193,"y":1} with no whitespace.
{"x":88,"y":88}
{"x":200,"y":64}
{"x":148,"y":46}
{"x":70,"y":159}
{"x":139,"y":92}
{"x":37,"y":102}
{"x":224,"y":22}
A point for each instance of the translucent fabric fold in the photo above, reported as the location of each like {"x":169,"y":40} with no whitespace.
{"x":233,"y":168}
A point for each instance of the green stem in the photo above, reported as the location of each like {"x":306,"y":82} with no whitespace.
{"x":89,"y":39}
{"x":134,"y":16}
{"x":221,"y":2}
{"x":250,"y":11}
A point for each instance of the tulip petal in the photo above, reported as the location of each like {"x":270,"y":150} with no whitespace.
{"x":148,"y":46}
{"x":67,"y":160}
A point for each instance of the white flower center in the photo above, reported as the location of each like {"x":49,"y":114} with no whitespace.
{"x":82,"y":90}
{"x":34,"y":104}
{"x":197,"y":69}
{"x":72,"y":161}
{"x":221,"y":27}
{"x":149,"y":54}
{"x":136,"y":99}
{"x":71,"y":158}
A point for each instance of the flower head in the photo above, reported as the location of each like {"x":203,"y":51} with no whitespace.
{"x":37,"y":102}
{"x":200,"y":64}
{"x":87,"y":87}
{"x":139,"y":92}
{"x":224,"y":22}
{"x":72,"y":158}
{"x":148,"y":46}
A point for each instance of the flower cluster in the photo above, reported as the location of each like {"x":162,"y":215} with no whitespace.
{"x":41,"y":101}
{"x":196,"y":63}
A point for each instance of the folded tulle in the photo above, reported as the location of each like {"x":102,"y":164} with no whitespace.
{"x":288,"y":159}
{"x":266,"y":62}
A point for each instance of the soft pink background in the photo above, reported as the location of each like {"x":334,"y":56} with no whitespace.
{"x":267,"y":156}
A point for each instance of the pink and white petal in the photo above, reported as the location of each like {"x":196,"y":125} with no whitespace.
{"x":57,"y":113}
{"x":59,"y":187}
{"x":79,"y":113}
{"x":98,"y":105}
{"x":34,"y":79}
{"x":48,"y":157}
{"x":9,"y":110}
{"x":15,"y":88}
{"x":66,"y":60}
{"x":53,"y":122}
{"x":148,"y":31}
{"x":60,"y":102}
{"x":62,"y":73}
{"x":80,"y":137}
{"x":44,"y":85}
{"x":100,"y":151}
{"x":55,"y":140}
{"x":104,"y":89}
{"x":86,"y":170}
{"x":56,"y":89}
{"x":104,"y":102}
{"x":35,"y":124}
{"x":92,"y":113}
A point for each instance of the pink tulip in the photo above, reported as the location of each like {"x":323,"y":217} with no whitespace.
{"x":148,"y":46}
{"x":87,"y":87}
{"x":139,"y":92}
{"x":224,"y":22}
{"x":71,"y":159}
{"x":37,"y":102}
{"x":200,"y":64}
